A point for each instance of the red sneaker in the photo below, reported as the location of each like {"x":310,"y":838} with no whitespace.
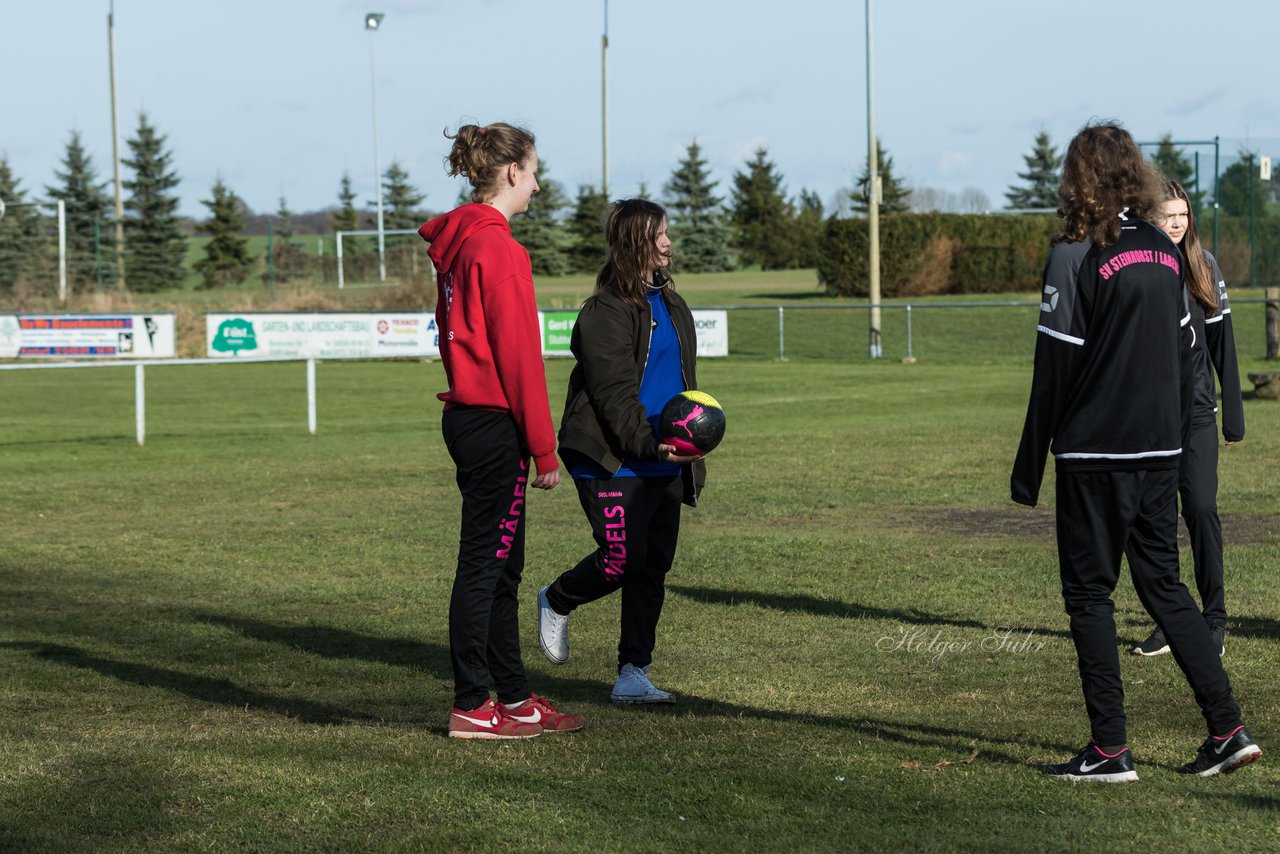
{"x":536,"y":710}
{"x":491,"y":721}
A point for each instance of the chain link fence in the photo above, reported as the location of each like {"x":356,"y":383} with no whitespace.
{"x":934,"y":331}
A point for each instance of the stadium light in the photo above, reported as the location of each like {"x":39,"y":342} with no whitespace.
{"x":604,"y":105}
{"x":115,"y":145}
{"x":373,"y":23}
{"x":873,"y":202}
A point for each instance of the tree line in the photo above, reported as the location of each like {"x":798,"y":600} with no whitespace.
{"x":757,"y":222}
{"x":1039,"y":187}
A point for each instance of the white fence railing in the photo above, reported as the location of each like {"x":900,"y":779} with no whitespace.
{"x":140,"y":382}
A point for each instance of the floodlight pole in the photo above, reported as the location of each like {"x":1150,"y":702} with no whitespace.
{"x":873,"y":201}
{"x":62,"y":251}
{"x":115,"y":145}
{"x":372,"y":23}
{"x":604,"y":105}
{"x":1253,"y":225}
{"x":1216,"y":206}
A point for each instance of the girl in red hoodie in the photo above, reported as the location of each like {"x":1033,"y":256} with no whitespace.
{"x":496,"y":417}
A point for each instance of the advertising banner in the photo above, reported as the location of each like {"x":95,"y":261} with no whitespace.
{"x":713,"y":332}
{"x":322,"y":336}
{"x":97,"y":336}
{"x":391,"y":335}
{"x":712,"y":327}
{"x":557,"y":329}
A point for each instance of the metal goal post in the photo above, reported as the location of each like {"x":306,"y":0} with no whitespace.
{"x":359,"y":233}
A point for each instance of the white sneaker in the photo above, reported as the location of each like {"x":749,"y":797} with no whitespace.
{"x":553,"y":630}
{"x":633,"y":686}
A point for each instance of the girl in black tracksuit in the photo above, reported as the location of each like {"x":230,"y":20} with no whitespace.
{"x":1214,"y":351}
{"x":1111,"y":387}
{"x":635,"y":343}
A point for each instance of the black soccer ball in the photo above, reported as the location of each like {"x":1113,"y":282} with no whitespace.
{"x":692,"y":422}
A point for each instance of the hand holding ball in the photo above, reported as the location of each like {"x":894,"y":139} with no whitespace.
{"x":692,"y":422}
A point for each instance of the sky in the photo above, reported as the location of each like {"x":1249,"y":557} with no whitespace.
{"x":276,"y":97}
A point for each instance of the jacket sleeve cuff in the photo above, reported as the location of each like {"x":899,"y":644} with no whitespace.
{"x":546,"y":463}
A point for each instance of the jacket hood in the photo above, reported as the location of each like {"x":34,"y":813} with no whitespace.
{"x":448,"y":232}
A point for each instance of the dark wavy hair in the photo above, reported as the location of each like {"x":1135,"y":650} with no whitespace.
{"x":631,"y":230}
{"x":481,"y":152}
{"x":1200,"y":281}
{"x":1104,"y":175}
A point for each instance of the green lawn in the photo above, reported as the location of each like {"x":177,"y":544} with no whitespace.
{"x":235,"y":637}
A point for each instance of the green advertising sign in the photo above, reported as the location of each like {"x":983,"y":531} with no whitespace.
{"x":557,"y":327}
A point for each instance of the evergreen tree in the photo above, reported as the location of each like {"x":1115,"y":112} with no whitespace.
{"x":698,"y":230}
{"x":400,"y":199}
{"x":1044,"y":166}
{"x":586,"y":228}
{"x":762,"y":218}
{"x":155,"y":246}
{"x":809,"y":226}
{"x":288,"y":257}
{"x":226,"y":258}
{"x":642,"y":192}
{"x":347,"y":218}
{"x":893,"y":193}
{"x":282,"y":226}
{"x":1171,"y":162}
{"x":539,"y":229}
{"x":1233,"y":187}
{"x":90,"y":235}
{"x":20,"y":237}
{"x":1174,"y":164}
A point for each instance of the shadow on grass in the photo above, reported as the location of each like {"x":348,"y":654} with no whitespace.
{"x":331,"y":642}
{"x":1242,"y":801}
{"x":1262,"y":628}
{"x":205,"y":689}
{"x":835,"y":608}
{"x":1259,"y":628}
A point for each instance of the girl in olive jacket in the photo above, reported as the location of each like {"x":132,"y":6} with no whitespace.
{"x":635,"y":346}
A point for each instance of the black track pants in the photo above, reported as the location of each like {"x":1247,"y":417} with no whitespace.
{"x":484,"y":634}
{"x":1198,"y":488}
{"x":635,"y":522}
{"x":1099,"y":513}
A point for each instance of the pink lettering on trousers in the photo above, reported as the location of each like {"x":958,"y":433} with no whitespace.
{"x":613,"y":556}
{"x":511,"y":523}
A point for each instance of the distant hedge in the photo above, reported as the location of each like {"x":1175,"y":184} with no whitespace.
{"x":936,"y":253}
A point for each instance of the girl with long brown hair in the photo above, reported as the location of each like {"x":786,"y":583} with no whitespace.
{"x":1214,"y":352}
{"x":636,"y":347}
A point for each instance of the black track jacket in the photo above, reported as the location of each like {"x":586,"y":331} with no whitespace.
{"x":603,"y":418}
{"x":1216,"y":351}
{"x":1112,"y":383}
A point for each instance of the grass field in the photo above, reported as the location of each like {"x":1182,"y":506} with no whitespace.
{"x":235,"y":637}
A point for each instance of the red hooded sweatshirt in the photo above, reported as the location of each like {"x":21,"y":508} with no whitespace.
{"x":487,"y":318}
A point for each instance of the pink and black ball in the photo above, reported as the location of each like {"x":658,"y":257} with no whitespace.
{"x":692,"y":422}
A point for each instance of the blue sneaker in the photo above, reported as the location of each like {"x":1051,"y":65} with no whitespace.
{"x":633,"y":687}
